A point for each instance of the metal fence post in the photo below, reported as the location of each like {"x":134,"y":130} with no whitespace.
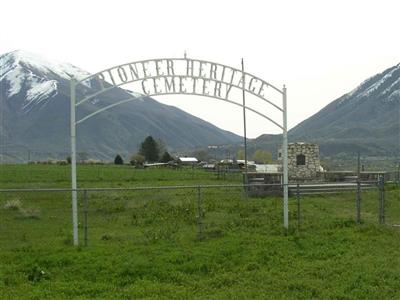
{"x":381,"y":200}
{"x":199,"y":214}
{"x":85,"y":217}
{"x":245,"y":185}
{"x":298,"y":205}
{"x":358,"y":196}
{"x":358,"y":202}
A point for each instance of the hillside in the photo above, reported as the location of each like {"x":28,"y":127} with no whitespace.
{"x":366,"y":119}
{"x":34,"y":110}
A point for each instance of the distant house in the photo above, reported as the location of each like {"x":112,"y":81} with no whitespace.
{"x":187,"y":160}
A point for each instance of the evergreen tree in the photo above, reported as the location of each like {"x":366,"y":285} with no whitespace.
{"x":166,"y":157}
{"x":149,"y":149}
{"x":118,"y":160}
{"x":162,"y":147}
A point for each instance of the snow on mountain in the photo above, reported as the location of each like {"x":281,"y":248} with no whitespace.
{"x":35,"y":76}
{"x":28,"y":59}
{"x":365,"y":120}
{"x":394,"y":96}
{"x":134,"y":94}
{"x":40,"y":92}
{"x":375,"y":84}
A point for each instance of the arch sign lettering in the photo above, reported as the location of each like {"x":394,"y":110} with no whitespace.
{"x":171,"y":76}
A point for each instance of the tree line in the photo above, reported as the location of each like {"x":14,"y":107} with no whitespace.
{"x":150,"y":151}
{"x":153,"y":151}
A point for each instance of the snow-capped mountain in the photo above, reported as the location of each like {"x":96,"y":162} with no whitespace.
{"x":34,"y":112}
{"x":32,"y":75}
{"x":384,"y":87}
{"x":367,"y":119}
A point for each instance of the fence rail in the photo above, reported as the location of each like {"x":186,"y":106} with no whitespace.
{"x":146,"y":214}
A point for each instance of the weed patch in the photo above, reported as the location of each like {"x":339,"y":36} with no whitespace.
{"x":14,"y":204}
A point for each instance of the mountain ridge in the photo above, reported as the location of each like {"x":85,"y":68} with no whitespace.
{"x":35,"y":104}
{"x":366,"y":120}
{"x":34,"y":91}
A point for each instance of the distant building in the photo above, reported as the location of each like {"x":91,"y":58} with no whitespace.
{"x":187,"y":160}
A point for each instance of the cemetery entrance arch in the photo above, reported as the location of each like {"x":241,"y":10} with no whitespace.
{"x":169,"y":76}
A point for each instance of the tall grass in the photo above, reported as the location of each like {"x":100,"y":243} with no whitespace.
{"x":145,"y":244}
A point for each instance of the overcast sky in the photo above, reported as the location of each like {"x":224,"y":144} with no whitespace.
{"x":319,"y":49}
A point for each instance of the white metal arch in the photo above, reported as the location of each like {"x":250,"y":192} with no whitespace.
{"x":137,"y":76}
{"x":98,"y":74}
{"x":163,"y":94}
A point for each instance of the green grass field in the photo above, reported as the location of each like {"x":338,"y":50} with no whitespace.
{"x":54,"y":176}
{"x":152,"y":244}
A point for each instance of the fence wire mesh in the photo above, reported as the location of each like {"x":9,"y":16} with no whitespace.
{"x":146,"y":215}
{"x":35,"y":217}
{"x":392,"y":205}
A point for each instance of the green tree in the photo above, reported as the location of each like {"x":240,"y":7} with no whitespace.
{"x":118,"y":160}
{"x":162,"y":147}
{"x":149,"y":149}
{"x":262,"y":156}
{"x":137,"y":160}
{"x":201,"y":155}
{"x":240,"y":154}
{"x":166,"y":157}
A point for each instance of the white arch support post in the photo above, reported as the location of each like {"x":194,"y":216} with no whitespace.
{"x":73,"y":164}
{"x":285,"y":162}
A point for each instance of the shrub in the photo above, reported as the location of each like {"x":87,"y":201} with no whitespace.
{"x":36,"y":274}
{"x":137,"y":160}
{"x":94,"y":162}
{"x":27,"y":213}
{"x":30,"y":213}
{"x":14,"y":204}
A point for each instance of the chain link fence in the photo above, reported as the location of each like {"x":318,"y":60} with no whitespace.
{"x":35,"y":216}
{"x":147,"y":214}
{"x":367,"y":202}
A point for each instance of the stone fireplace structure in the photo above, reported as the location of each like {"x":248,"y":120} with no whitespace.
{"x":303,"y":161}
